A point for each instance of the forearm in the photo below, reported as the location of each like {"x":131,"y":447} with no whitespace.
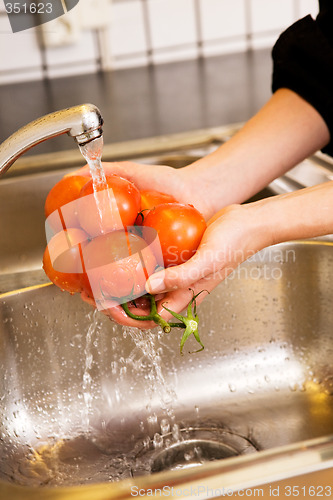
{"x":284,"y":132}
{"x":303,"y":214}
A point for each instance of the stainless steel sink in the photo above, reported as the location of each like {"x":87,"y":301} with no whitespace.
{"x":85,"y":401}
{"x":100,"y":410}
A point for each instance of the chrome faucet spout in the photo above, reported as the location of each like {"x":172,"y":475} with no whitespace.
{"x":83,"y":123}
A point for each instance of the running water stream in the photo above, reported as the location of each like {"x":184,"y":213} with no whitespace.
{"x":157,"y":387}
{"x":145,"y":341}
{"x":92,"y":153}
{"x":90,"y":455}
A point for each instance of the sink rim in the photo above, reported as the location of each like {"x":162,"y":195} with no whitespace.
{"x":235,"y":473}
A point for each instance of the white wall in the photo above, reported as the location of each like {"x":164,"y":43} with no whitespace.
{"x":141,"y":32}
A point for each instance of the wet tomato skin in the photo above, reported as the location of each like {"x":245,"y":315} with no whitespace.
{"x":118,"y":265}
{"x":125,"y":201}
{"x":65,"y":191}
{"x":150,"y":199}
{"x":179,"y":228}
{"x":62,"y":260}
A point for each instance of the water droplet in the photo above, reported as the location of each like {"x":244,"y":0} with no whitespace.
{"x":165,"y":426}
{"x":328,"y":385}
{"x":176,"y":432}
{"x":189,"y":456}
{"x":158,"y":440}
{"x":152,"y":419}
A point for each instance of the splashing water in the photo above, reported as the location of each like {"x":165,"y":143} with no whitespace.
{"x":159,"y":394}
{"x":87,"y":381}
{"x":156,"y":383}
{"x":102,"y":453}
{"x":146,"y":342}
{"x":156,"y":387}
{"x":94,"y":454}
{"x":92,"y":152}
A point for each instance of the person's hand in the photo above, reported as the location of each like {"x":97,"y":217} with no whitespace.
{"x":284,"y":132}
{"x":233,"y":235}
{"x":239,"y":231}
{"x":162,"y":178}
{"x":180,"y":183}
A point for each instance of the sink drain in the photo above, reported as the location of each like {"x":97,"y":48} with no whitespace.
{"x":191,"y":453}
{"x":193,"y":447}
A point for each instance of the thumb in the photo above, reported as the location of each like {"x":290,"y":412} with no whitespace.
{"x":202,"y":264}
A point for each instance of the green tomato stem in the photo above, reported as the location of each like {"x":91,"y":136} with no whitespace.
{"x":189,"y":322}
{"x":152,"y":316}
{"x":177,"y":325}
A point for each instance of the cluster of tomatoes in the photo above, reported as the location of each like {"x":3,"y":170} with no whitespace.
{"x":110,"y":255}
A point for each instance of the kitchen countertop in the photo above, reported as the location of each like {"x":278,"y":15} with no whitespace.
{"x":148,"y":101}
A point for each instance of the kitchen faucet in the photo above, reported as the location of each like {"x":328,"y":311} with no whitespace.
{"x":83,"y":123}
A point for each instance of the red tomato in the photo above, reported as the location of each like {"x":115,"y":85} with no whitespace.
{"x":115,"y":208}
{"x":179,"y":228}
{"x":118,"y":265}
{"x":151,"y":199}
{"x":65,"y":191}
{"x":62,"y":261}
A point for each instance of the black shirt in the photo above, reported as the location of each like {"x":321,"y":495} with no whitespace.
{"x":303,"y":62}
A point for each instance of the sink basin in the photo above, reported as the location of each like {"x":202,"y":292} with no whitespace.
{"x":86,"y":401}
{"x":91,"y":410}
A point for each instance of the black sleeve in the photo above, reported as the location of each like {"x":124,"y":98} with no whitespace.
{"x":303,"y":62}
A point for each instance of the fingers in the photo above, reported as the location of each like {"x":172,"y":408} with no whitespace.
{"x":128,"y":169}
{"x":225,"y":244}
{"x":144,"y":176}
{"x":118,"y":314}
{"x":115,"y":312}
{"x":109,"y":168}
{"x":86,"y":298}
{"x":178,"y":300}
{"x":206,"y":261}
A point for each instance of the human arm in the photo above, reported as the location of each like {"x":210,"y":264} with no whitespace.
{"x":233,"y":235}
{"x":295,"y":122}
{"x":284,"y":132}
{"x":239,"y":231}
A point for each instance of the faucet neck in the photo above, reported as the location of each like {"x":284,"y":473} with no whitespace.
{"x":83,"y":123}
